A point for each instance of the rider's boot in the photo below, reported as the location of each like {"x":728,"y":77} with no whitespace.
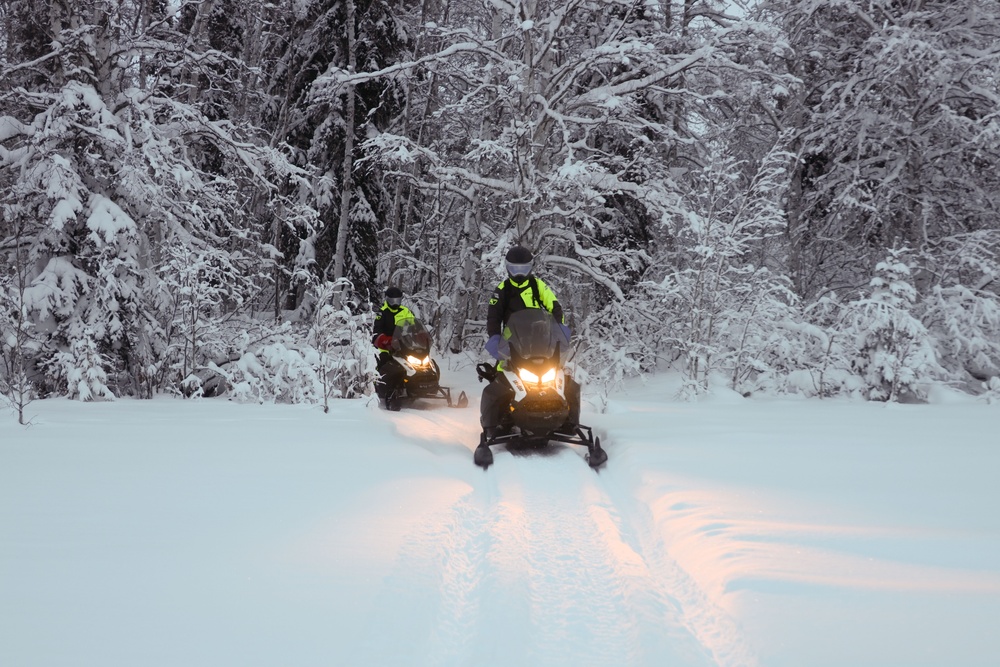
{"x":483,"y":456}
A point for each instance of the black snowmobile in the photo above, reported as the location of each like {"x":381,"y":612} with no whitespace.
{"x":539,"y":409}
{"x":411,"y":347}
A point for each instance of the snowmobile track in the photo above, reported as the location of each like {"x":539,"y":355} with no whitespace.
{"x":517,"y":550}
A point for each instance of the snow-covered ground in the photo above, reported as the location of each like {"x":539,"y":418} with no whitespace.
{"x":722,"y":532}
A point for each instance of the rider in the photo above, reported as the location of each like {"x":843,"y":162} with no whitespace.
{"x":520,"y":290}
{"x":391,"y":373}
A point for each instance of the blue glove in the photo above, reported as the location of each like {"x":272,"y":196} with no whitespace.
{"x":565,"y":330}
{"x":498,"y":348}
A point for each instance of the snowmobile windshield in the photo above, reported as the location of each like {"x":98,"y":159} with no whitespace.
{"x":535,"y":334}
{"x":411,"y":337}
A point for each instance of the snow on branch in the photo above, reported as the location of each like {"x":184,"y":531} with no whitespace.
{"x":600,"y":94}
{"x":580,"y":267}
{"x":331,"y":82}
{"x":479,"y":179}
{"x":11,"y":127}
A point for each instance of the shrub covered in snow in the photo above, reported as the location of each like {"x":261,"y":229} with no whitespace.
{"x":965,"y":324}
{"x":340,"y":343}
{"x":17,"y":346}
{"x":992,"y":391}
{"x":895,"y":351}
{"x":273,"y":373}
{"x":614,"y":343}
{"x":81,"y":369}
{"x":720,"y":303}
{"x":326,"y":357}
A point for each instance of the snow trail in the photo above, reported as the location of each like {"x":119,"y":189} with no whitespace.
{"x":539,"y":545}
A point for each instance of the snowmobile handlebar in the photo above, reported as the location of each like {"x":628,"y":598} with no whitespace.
{"x":487,"y":372}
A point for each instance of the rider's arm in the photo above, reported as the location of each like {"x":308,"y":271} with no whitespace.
{"x":385,"y":323}
{"x":494,"y":315}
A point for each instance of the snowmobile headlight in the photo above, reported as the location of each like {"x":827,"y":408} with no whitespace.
{"x":547,"y":377}
{"x":416,"y":361}
{"x":527,"y":376}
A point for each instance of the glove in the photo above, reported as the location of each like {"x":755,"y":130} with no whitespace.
{"x":498,"y":348}
{"x":383,"y":342}
{"x":565,"y":330}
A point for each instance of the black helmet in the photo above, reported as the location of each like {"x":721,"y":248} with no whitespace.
{"x":394,"y":297}
{"x":519,"y":262}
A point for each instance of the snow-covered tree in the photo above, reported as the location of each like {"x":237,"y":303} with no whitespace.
{"x":195,"y":290}
{"x":304,"y":41}
{"x":723,"y":300}
{"x":81,"y":369}
{"x":341,"y":339}
{"x":896,"y":130}
{"x":17,"y":339}
{"x":697,"y":188}
{"x":555,"y":124}
{"x":109,"y":167}
{"x":896,"y":356}
{"x":962,"y":307}
{"x":965,"y":324}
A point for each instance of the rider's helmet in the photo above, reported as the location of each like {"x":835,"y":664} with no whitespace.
{"x":394,"y":297}
{"x":519,"y":261}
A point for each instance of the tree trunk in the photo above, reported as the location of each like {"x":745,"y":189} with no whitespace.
{"x":347,"y":187}
{"x":194,"y":41}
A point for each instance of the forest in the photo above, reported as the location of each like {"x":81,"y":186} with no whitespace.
{"x":786,"y":196}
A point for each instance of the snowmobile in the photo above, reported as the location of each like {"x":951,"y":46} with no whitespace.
{"x":411,"y":347}
{"x":539,"y":409}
